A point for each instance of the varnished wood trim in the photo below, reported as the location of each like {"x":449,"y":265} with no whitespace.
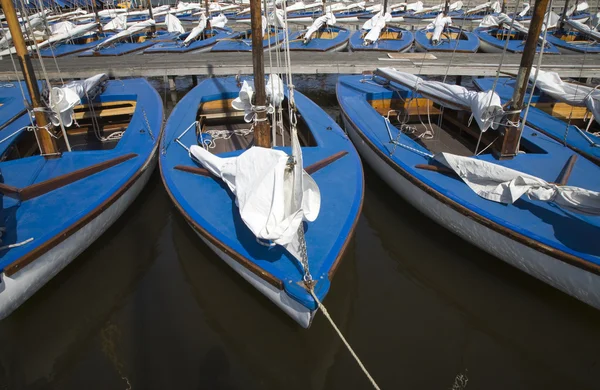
{"x":565,"y":173}
{"x":435,"y":168}
{"x":33,"y":255}
{"x":49,"y":185}
{"x":11,"y":191}
{"x":269,"y":278}
{"x":194,"y":170}
{"x":324,"y":162}
{"x":543,"y":248}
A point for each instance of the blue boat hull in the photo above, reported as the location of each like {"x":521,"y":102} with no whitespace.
{"x":209,"y":208}
{"x":239,"y":44}
{"x":568,"y":47}
{"x":337,"y":43}
{"x":66,"y":49}
{"x":79,"y":193}
{"x":401,"y":45}
{"x":199,"y":45}
{"x":490,"y":43}
{"x":541,"y":239}
{"x":127,"y":47}
{"x":468,"y":45}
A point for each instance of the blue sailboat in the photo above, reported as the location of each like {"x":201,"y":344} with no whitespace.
{"x":54,"y":206}
{"x":571,"y":125}
{"x":322,"y":35}
{"x":390,"y":39}
{"x":440,"y":162}
{"x":440,"y":36}
{"x":188,"y":42}
{"x":205,"y":119}
{"x":242,"y":42}
{"x":573,"y":37}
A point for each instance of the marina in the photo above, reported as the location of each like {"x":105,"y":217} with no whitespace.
{"x":282,"y":194}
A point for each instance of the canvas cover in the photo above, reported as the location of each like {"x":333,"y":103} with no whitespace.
{"x":64,"y":99}
{"x":375,"y":25}
{"x":505,"y":185}
{"x":486,"y":107}
{"x":328,"y":19}
{"x":438,"y":25}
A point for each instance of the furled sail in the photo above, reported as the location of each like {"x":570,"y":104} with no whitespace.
{"x":64,"y":99}
{"x":574,"y":94}
{"x":485,"y":106}
{"x":583,"y":28}
{"x":505,"y":185}
{"x":375,"y":25}
{"x":196,"y":31}
{"x":439,"y":23}
{"x":319,"y":22}
{"x":133,"y":29}
{"x":173,"y":24}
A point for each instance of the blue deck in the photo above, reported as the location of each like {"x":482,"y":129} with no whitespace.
{"x":75,"y":46}
{"x":320,"y":44}
{"x":203,"y":42}
{"x":592,"y":46}
{"x":541,"y":120}
{"x":406,"y":40}
{"x":468,"y":45}
{"x":543,"y":222}
{"x":129,"y":45}
{"x":240,"y":44}
{"x":488,"y":35}
{"x":209,"y":203}
{"x":46,"y":216}
{"x":11,"y":101}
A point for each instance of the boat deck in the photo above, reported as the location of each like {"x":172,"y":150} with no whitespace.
{"x":216,"y":64}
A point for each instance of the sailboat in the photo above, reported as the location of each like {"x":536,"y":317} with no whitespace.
{"x":322,"y":35}
{"x":376,"y":35}
{"x":274,"y":187}
{"x":440,"y":36}
{"x":63,"y":185}
{"x":566,"y":111}
{"x":495,"y":30}
{"x":572,"y":36}
{"x":515,"y":193}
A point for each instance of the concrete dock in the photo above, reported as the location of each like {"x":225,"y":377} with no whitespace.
{"x":218,"y":64}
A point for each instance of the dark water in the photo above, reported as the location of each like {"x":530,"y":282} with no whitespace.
{"x":148,"y":306}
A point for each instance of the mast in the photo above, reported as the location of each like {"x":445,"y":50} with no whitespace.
{"x":262,"y":134}
{"x":385,"y":5}
{"x":512,"y":134}
{"x":446,"y":7}
{"x":93,"y":2}
{"x":206,"y":7}
{"x":503,"y":9}
{"x":47,"y":144}
{"x":153,"y":27}
{"x":324,"y":8}
{"x":563,"y":17}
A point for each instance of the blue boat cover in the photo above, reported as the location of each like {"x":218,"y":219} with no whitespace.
{"x":204,"y":41}
{"x":127,"y":46}
{"x":239,"y":43}
{"x":468,"y":45}
{"x":339,"y":39}
{"x":403,"y":43}
{"x":489,"y":36}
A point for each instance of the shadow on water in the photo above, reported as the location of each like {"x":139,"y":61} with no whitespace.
{"x":149,"y":306}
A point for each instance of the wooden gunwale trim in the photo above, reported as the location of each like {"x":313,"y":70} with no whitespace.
{"x":69,"y":231}
{"x":49,"y":185}
{"x":322,"y":50}
{"x":548,"y":250}
{"x":267,"y":277}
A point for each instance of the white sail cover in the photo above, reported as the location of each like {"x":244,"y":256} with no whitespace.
{"x":502,"y":19}
{"x":277,"y":18}
{"x":504,"y":185}
{"x":550,"y":20}
{"x":119,"y":23}
{"x":133,"y":29}
{"x":243,"y":102}
{"x":485,"y":106}
{"x":111,"y":13}
{"x":457,"y":5}
{"x":272,"y":200}
{"x":218,"y":21}
{"x":438,"y":7}
{"x":375,"y":25}
{"x":328,"y":19}
{"x":574,"y":94}
{"x":64,"y":99}
{"x":7,"y":37}
{"x":583,"y":28}
{"x":526,"y":8}
{"x":196,"y":31}
{"x":72,"y":31}
{"x":494,"y":7}
{"x":173,"y":24}
{"x":577,"y":8}
{"x":438,"y":25}
{"x":418,"y":6}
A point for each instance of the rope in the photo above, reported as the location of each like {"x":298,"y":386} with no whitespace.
{"x":326,"y":314}
{"x":16,"y":244}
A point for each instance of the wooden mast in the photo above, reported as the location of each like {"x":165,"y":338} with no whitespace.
{"x":324,"y":8}
{"x":446,"y":7}
{"x":512,"y":134}
{"x":93,"y":2}
{"x":153,"y":27}
{"x":564,"y":15}
{"x":385,"y":5}
{"x":47,"y":144}
{"x":503,"y":9}
{"x":262,"y":134}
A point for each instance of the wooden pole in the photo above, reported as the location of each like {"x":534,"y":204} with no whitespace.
{"x":206,"y":7}
{"x":262,"y":134}
{"x":93,"y":2}
{"x":324,"y":8}
{"x":512,"y":134}
{"x":446,"y":7}
{"x":152,"y":28}
{"x":503,"y":9}
{"x":47,"y":144}
{"x":385,"y":5}
{"x":564,"y":15}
